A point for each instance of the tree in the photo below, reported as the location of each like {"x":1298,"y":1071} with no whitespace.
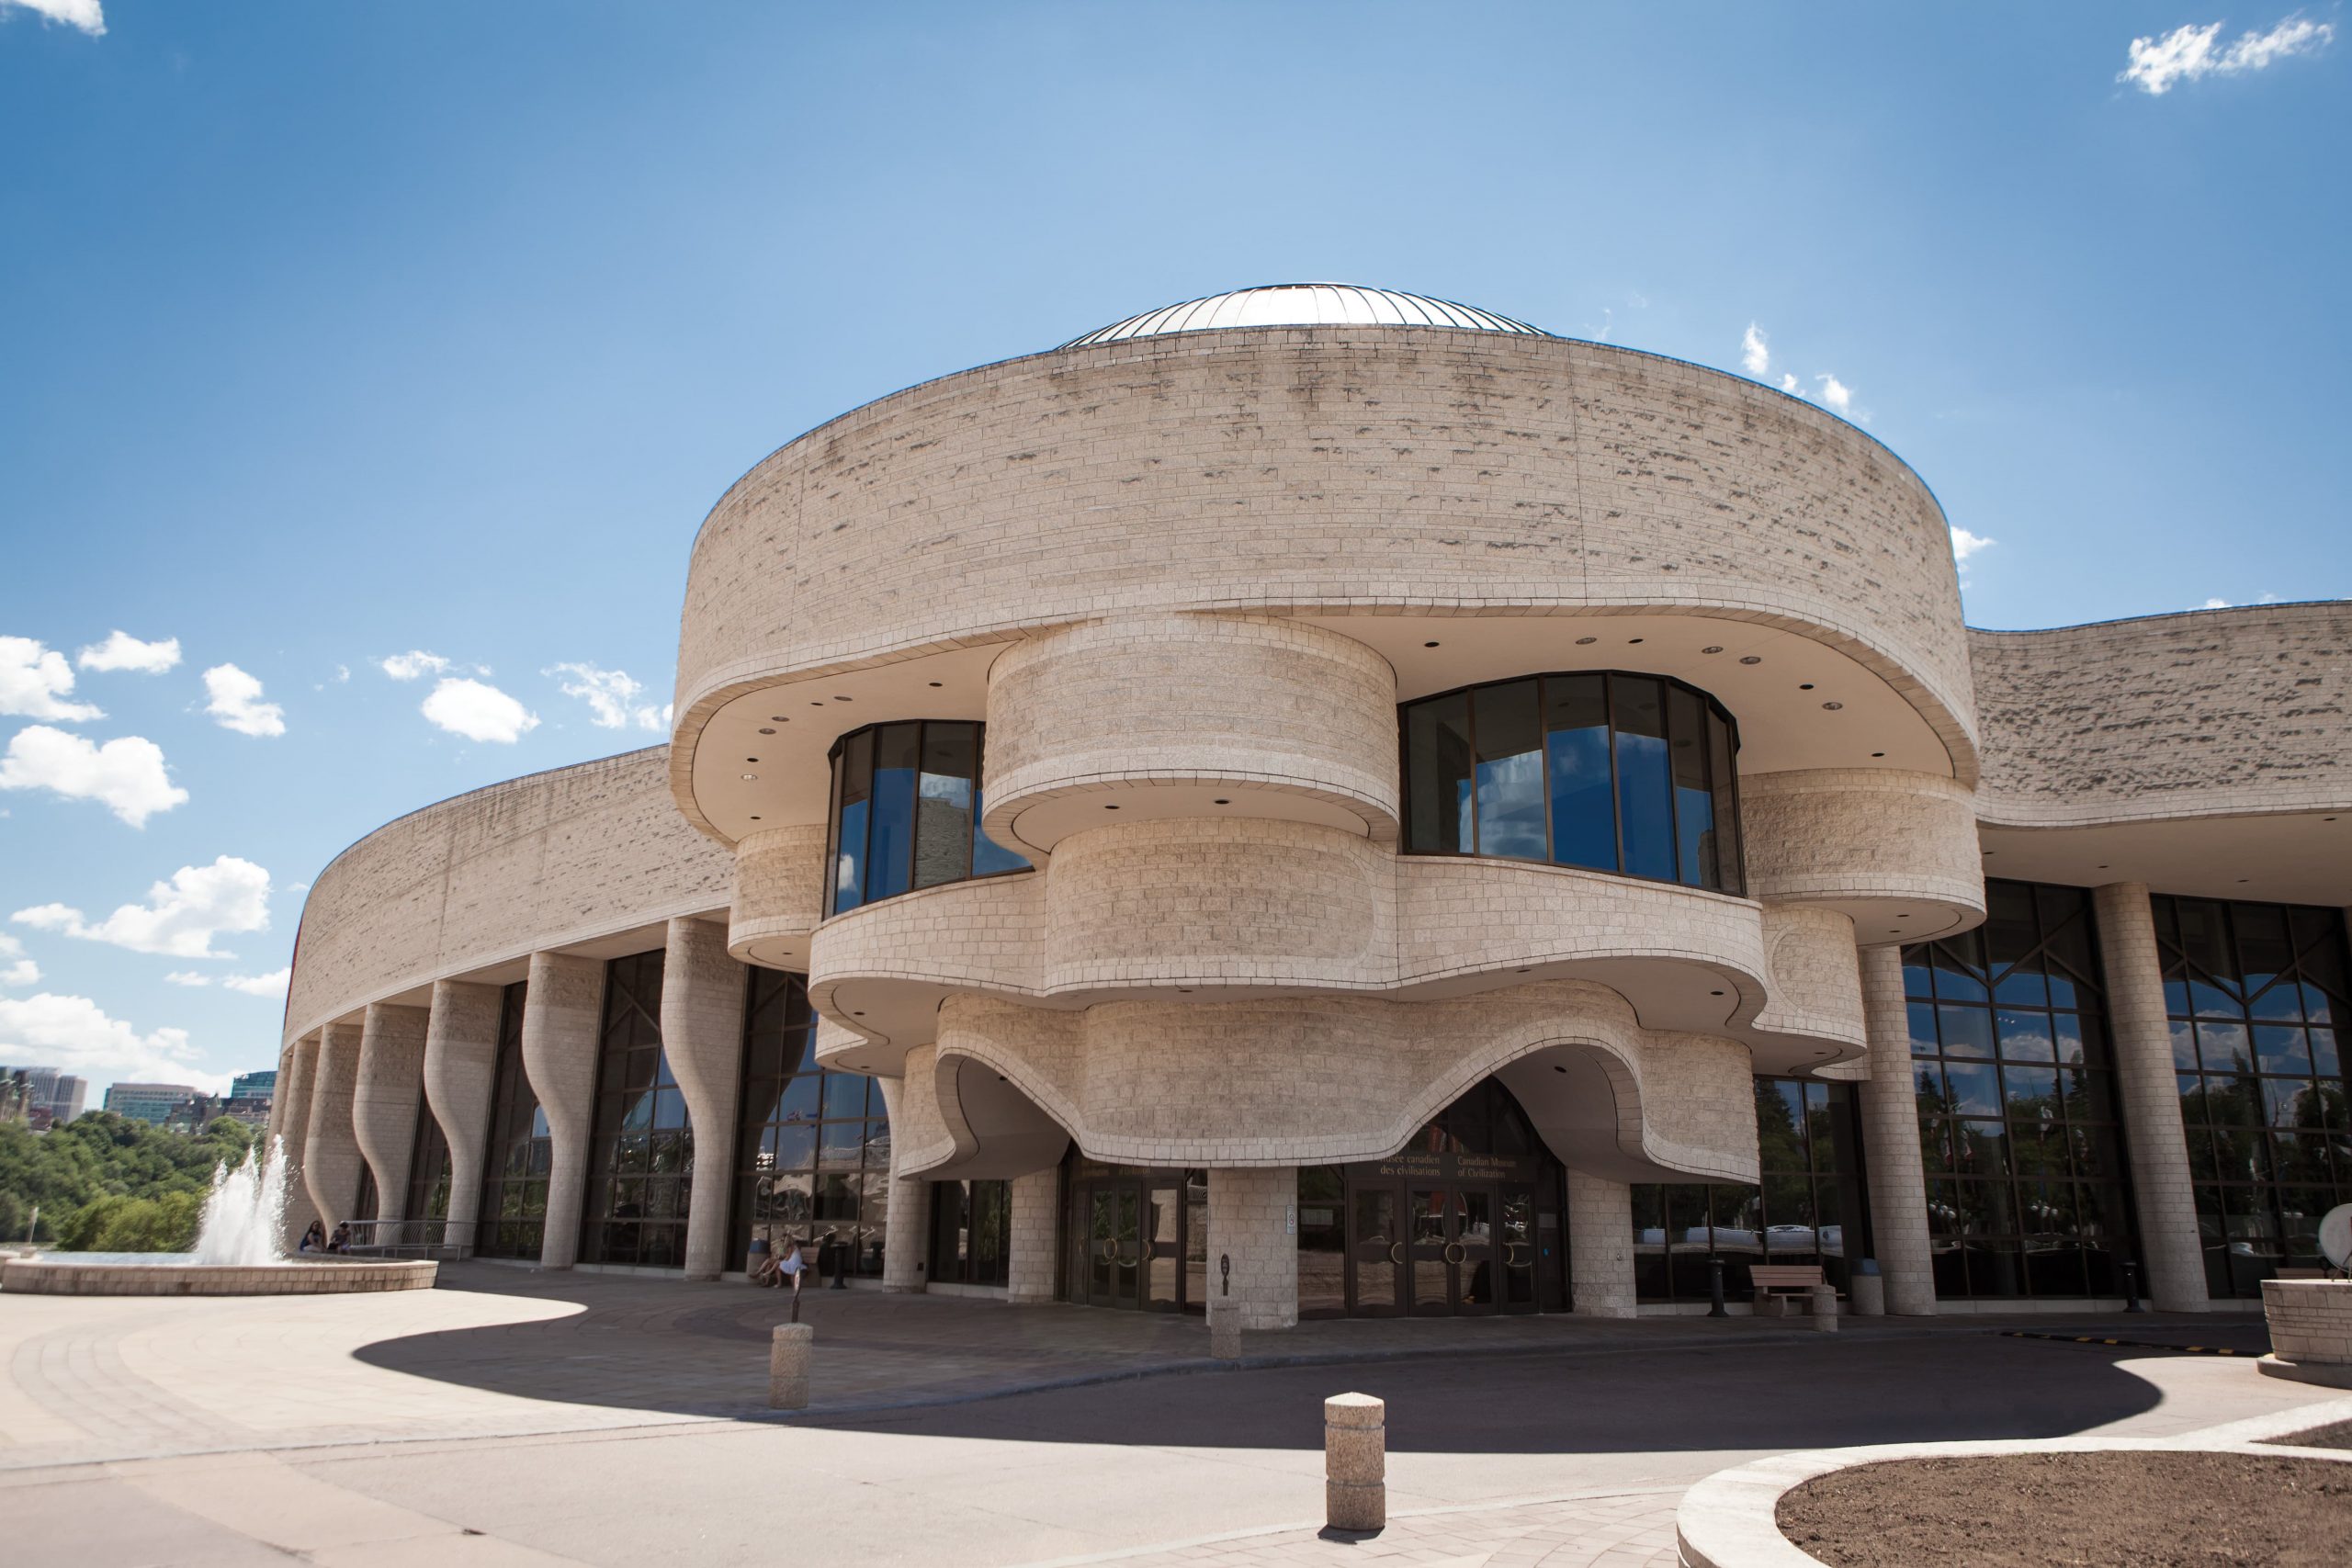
{"x":103,"y":1158}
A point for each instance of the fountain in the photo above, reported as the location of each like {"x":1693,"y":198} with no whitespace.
{"x":239,"y":1251}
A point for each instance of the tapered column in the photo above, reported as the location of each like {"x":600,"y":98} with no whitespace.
{"x":702,"y":1033}
{"x":1253,"y":1223}
{"x":1898,"y":1178}
{"x":292,"y":1113}
{"x":560,"y":1018}
{"x":905,"y":1230}
{"x":460,"y":1076}
{"x":1600,"y":1247}
{"x":387,"y":1098}
{"x":1029,"y":1262}
{"x":2175,"y":1257}
{"x":331,"y":1154}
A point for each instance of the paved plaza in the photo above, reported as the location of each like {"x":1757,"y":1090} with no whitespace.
{"x":513,"y":1416}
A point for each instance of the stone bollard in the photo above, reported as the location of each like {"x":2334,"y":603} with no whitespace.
{"x":1355,"y":1463}
{"x":1870,"y":1294}
{"x":789,"y":1356}
{"x":1225,"y":1329}
{"x":1824,"y":1309}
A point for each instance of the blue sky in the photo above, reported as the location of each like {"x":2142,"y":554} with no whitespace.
{"x":335,"y":333}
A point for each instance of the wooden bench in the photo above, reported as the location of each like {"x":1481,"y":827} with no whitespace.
{"x":1779,"y":1284}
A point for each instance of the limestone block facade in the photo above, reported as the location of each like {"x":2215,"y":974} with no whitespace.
{"x":1371,"y":809}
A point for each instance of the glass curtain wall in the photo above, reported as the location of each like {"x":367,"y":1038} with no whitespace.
{"x":813,"y":1149}
{"x":641,"y":1154}
{"x":971,"y":1229}
{"x":906,"y":813}
{"x":2258,"y":996}
{"x":2027,"y":1186}
{"x":515,"y":1163}
{"x":428,"y":1177}
{"x":1627,"y":773}
{"x":1807,"y":1210}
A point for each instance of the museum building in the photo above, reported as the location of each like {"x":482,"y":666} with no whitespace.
{"x":1353,"y":803}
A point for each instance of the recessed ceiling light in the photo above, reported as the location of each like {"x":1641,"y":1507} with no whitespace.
{"x":756,"y":818}
{"x":1557,"y":1068}
{"x":1631,"y":640}
{"x":2102,"y":867}
{"x":766,"y":732}
{"x":1833,"y":708}
{"x":1222,"y":801}
{"x":935,"y":684}
{"x":1519,"y":971}
{"x":750,"y":778}
{"x":1110,"y":808}
{"x":1428,"y":645}
{"x":1749,"y":659}
{"x":840,"y":699}
{"x":1586,"y":641}
{"x":1714,"y":993}
{"x":1711,"y":650}
{"x":2242,"y":881}
{"x":750,"y":759}
{"x":1185,"y":990}
{"x":1805,"y":686}
{"x":857,"y":1015}
{"x":1878,"y":754}
{"x":779,"y":718}
{"x":816,"y":704}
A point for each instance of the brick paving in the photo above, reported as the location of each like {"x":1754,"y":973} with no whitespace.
{"x":1625,"y":1530}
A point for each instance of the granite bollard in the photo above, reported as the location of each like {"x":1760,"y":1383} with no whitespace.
{"x":1355,"y":1463}
{"x":1824,"y":1309}
{"x":788,"y":1356}
{"x":1225,"y":1329}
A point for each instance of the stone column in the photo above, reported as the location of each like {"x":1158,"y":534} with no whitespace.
{"x":2173,"y":1266}
{"x":292,"y":1113}
{"x":1253,"y":1219}
{"x":276,"y":1124}
{"x":1034,"y":1221}
{"x":461,"y":1078}
{"x":906,"y":1236}
{"x":1890,"y":1107}
{"x":1600,"y":1247}
{"x":387,"y":1098}
{"x":331,"y":1154}
{"x":702,"y":1031}
{"x":561,"y":1014}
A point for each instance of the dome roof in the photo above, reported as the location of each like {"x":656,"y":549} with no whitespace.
{"x":1304,"y":305}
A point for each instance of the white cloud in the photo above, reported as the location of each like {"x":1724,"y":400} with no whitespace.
{"x":128,"y":774}
{"x":1795,"y":388}
{"x":410,"y":665}
{"x":87,"y":14}
{"x":187,"y":977}
{"x":236,"y":703}
{"x":180,"y":917}
{"x":34,"y":681}
{"x":1753,"y":354}
{"x":342,"y":673}
{"x":477,"y":712}
{"x":1965,"y":544}
{"x":262,"y":985}
{"x":2231,"y":603}
{"x":123,"y":652}
{"x":16,"y":969}
{"x":75,"y":1033}
{"x":1836,"y":394}
{"x":611,"y":697}
{"x":2157,"y":65}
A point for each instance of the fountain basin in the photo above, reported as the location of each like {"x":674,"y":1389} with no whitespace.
{"x":177,"y":1274}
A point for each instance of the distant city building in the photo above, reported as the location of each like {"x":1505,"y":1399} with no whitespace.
{"x":149,"y":1101}
{"x":58,"y":1096}
{"x":254,"y":1086}
{"x":16,"y":1094}
{"x":68,"y":1098}
{"x":193,"y":1114}
{"x":253,"y":1109}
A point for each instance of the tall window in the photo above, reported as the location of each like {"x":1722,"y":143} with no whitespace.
{"x":428,"y":1176}
{"x":516,"y":1163}
{"x":814,"y":1147}
{"x":906,"y":813}
{"x":2018,"y":1125}
{"x":1609,"y":772}
{"x":641,"y":1157}
{"x":1808,"y":1209}
{"x":2258,"y":999}
{"x":971,"y":1231}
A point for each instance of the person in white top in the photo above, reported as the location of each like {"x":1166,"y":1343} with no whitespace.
{"x":790,"y":1264}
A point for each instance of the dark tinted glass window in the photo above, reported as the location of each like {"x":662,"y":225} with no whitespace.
{"x":2027,"y":1191}
{"x":1630,"y":773}
{"x":2256,"y":996}
{"x":515,"y":1179}
{"x":641,"y":1152}
{"x":906,"y":813}
{"x":971,"y":1225}
{"x":428,"y":1179}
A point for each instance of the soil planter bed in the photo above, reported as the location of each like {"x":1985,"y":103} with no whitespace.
{"x":2143,"y":1508}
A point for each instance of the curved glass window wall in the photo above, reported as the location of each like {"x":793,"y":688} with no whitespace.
{"x":1604,"y":770}
{"x":906,"y":813}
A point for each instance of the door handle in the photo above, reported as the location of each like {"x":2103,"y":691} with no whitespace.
{"x":1455,"y":1252}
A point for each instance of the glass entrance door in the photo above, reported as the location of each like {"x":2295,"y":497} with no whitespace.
{"x":1375,"y":1252}
{"x":1451,"y":1251}
{"x":1163,"y":1246}
{"x":1114,"y":1256}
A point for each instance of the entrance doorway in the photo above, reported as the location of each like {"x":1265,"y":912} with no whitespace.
{"x":1140,"y":1239}
{"x":1465,"y":1221}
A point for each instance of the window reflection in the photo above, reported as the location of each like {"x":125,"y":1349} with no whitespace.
{"x":1609,"y":772}
{"x":906,"y":813}
{"x":515,"y":1181}
{"x":641,"y":1152}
